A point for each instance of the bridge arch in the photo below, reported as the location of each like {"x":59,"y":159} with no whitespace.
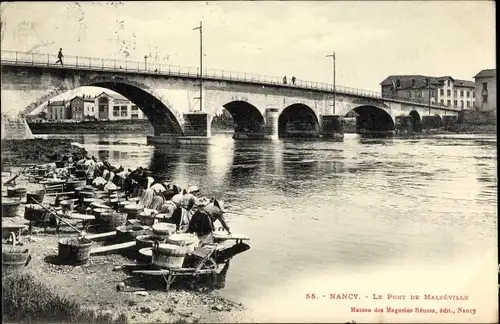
{"x":298,"y":120}
{"x":372,"y":119}
{"x":247,"y":118}
{"x":160,"y":113}
{"x":416,"y":121}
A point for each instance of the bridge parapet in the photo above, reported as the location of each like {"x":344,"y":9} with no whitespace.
{"x":135,"y":67}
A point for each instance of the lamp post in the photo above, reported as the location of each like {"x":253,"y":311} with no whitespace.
{"x":201,"y":63}
{"x":145,"y":62}
{"x":333,"y":88}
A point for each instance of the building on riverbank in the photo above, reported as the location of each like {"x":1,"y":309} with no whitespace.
{"x":116,"y":107}
{"x":58,"y":110}
{"x":82,"y":108}
{"x":445,"y":91}
{"x":486,"y":91}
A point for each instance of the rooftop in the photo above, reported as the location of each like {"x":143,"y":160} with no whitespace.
{"x":465,"y":83}
{"x":486,"y":73}
{"x":58,"y":103}
{"x":114,"y":96}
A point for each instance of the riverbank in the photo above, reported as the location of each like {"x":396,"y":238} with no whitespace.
{"x":39,"y":150}
{"x":94,"y":127}
{"x":93,"y":285}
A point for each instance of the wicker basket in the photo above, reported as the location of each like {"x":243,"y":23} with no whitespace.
{"x":15,"y":258}
{"x":133,"y":210}
{"x":39,"y":196}
{"x":74,"y":251}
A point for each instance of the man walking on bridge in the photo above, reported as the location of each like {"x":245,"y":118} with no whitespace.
{"x":60,"y":56}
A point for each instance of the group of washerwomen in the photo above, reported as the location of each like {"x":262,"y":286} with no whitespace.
{"x":190,"y":213}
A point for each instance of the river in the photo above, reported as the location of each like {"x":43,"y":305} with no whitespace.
{"x":379,"y":216}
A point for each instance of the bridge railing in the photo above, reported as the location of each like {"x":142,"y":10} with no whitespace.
{"x":92,"y":63}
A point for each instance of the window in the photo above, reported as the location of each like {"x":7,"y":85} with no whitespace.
{"x":454,"y":103}
{"x":408,"y":94}
{"x":116,"y":113}
{"x":448,"y":93}
{"x":468,"y":104}
{"x":468,"y":94}
{"x":454,"y":93}
{"x":134,"y":107}
{"x":433,"y":93}
{"x":462,"y":104}
{"x":412,"y":82}
{"x":485,"y":86}
{"x":116,"y":108}
{"x":92,"y":109}
{"x":124,"y":107}
{"x":441,"y":101}
{"x":461,"y":93}
{"x":398,"y":83}
{"x":134,"y":116}
{"x":441,"y":92}
{"x":485,"y":98}
{"x":124,"y":113}
{"x":448,"y":102}
{"x":448,"y":82}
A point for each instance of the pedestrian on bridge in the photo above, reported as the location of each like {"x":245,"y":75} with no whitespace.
{"x":284,"y":79}
{"x":293,"y":80}
{"x":60,"y":56}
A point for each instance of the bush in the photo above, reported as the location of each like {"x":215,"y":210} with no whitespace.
{"x":27,"y":300}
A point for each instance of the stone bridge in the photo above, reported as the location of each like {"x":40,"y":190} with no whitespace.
{"x":169,"y":96}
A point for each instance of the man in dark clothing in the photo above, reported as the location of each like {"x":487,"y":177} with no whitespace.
{"x":293,"y":80}
{"x":60,"y":56}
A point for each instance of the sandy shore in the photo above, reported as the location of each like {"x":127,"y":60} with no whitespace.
{"x":94,"y":284}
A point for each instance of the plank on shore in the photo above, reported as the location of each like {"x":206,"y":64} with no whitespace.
{"x":100,"y":236}
{"x":112,"y":248}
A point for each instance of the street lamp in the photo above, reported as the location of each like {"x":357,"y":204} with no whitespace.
{"x":146,"y":62}
{"x":201,"y":63}
{"x":333,"y":88}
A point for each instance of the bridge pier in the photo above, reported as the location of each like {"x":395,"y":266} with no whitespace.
{"x":404,"y":124}
{"x":332,"y":126}
{"x":271,"y":119}
{"x":196,"y":130}
{"x":15,"y":128}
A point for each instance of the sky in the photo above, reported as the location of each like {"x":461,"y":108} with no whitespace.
{"x":371,"y":39}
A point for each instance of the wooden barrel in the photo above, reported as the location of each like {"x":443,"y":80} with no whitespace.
{"x":163,"y":218}
{"x":164,"y":229}
{"x":79,"y":173}
{"x":188,"y":240}
{"x":36,"y":213}
{"x":128,"y":233}
{"x":87,"y":201}
{"x":168,"y":256}
{"x":38,"y":195}
{"x":15,"y":258}
{"x":10,"y":207}
{"x":17,"y":192}
{"x":73,"y":184}
{"x":144,"y":241}
{"x":145,"y":255}
{"x":67,"y":205}
{"x":133,"y":210}
{"x":111,"y":220}
{"x":147,"y":217}
{"x":74,"y":250}
{"x":58,"y":200}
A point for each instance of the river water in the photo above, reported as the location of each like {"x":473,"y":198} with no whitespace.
{"x":380,"y":216}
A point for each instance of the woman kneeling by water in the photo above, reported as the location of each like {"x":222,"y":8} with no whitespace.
{"x":202,"y":221}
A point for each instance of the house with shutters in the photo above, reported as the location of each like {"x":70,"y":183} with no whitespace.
{"x":486,"y":91}
{"x":444,"y":91}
